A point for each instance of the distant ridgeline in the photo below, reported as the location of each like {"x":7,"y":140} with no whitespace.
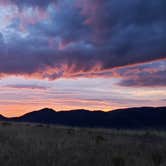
{"x":129,"y":118}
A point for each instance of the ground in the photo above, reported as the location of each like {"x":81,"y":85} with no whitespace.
{"x":25,"y":144}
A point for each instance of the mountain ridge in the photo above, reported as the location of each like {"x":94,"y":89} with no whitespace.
{"x":128,"y":118}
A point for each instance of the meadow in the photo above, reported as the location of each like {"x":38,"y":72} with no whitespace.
{"x":26,"y":144}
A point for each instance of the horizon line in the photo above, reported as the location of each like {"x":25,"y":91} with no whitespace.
{"x":80,"y":109}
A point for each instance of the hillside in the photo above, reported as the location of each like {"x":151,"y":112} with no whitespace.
{"x":129,"y":118}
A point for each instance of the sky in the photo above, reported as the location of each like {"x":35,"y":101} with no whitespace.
{"x":72,"y":54}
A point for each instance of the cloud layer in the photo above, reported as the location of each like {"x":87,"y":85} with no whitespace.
{"x":147,"y":75}
{"x":53,"y":39}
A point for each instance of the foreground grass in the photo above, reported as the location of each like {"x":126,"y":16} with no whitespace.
{"x":43,"y":145}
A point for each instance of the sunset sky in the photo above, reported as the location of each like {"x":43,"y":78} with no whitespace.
{"x":91,"y":54}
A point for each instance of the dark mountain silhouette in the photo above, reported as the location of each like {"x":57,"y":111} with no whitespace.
{"x":129,"y":118}
{"x":2,"y":118}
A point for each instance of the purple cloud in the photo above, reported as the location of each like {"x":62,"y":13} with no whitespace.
{"x":79,"y":38}
{"x":27,"y":3}
{"x":147,"y":75}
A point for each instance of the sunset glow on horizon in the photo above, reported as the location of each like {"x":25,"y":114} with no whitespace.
{"x":80,"y":54}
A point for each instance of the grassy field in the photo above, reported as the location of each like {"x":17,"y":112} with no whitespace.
{"x":42,"y":145}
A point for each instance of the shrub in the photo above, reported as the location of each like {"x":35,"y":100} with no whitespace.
{"x":99,"y":139}
{"x":118,"y":161}
{"x":39,"y":125}
{"x":6,"y":124}
{"x":70,"y":131}
{"x":157,"y":158}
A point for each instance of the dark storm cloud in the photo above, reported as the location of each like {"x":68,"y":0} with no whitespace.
{"x":83,"y":36}
{"x":66,"y":23}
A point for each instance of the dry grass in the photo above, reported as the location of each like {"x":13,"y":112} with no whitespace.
{"x":44,"y":145}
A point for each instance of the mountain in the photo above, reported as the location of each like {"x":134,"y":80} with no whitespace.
{"x":2,"y":118}
{"x":129,"y":118}
{"x":45,"y":115}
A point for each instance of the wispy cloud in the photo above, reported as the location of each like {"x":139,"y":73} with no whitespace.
{"x":33,"y":87}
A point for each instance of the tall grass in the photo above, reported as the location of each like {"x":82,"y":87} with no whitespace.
{"x":44,"y":145}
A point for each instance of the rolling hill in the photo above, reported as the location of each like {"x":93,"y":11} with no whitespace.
{"x":129,"y":118}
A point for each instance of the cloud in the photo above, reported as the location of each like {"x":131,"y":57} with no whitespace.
{"x":27,"y":3}
{"x":147,"y":75}
{"x":148,"y":80}
{"x":32,"y":87}
{"x":81,"y":37}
